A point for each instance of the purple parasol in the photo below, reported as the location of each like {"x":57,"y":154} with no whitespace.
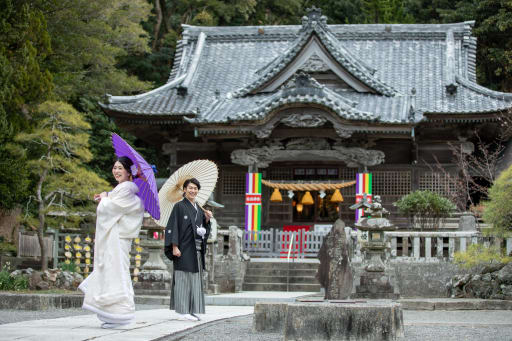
{"x":145,"y":177}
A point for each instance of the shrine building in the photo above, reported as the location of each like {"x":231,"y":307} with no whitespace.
{"x":317,"y":103}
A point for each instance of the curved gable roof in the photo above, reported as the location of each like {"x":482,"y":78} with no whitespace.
{"x":416,"y":61}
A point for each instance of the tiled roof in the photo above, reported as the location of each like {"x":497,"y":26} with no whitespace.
{"x":317,"y":24}
{"x":348,"y":105}
{"x":407,"y":66}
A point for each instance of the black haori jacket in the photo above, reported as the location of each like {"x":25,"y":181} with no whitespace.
{"x":181,"y":230}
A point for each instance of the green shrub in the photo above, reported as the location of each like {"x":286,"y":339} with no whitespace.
{"x":8,"y":282}
{"x":67,"y":267}
{"x":478,"y":254}
{"x":425,"y":209}
{"x":8,"y":248}
{"x":498,"y":210}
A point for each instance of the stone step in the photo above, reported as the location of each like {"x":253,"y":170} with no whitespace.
{"x":281,"y":265}
{"x":153,"y":292}
{"x":281,"y":279}
{"x":281,"y":272}
{"x":280,"y":287}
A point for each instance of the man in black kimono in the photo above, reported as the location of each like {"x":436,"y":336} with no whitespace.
{"x":185,"y":244}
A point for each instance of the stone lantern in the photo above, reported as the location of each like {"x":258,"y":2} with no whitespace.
{"x":376,"y":279}
{"x":154,"y":277}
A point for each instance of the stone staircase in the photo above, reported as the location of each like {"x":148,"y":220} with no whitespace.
{"x":281,"y":276}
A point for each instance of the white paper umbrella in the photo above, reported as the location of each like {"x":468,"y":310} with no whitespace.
{"x":205,"y":171}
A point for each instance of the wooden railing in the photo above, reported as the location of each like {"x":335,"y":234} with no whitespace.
{"x":28,"y":245}
{"x":274,"y":243}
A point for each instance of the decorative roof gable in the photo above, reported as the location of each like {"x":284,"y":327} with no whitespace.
{"x":304,"y":89}
{"x":316,"y":43}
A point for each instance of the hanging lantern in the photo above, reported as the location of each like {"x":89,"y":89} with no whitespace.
{"x":299,"y":207}
{"x":336,"y":197}
{"x":307,"y":199}
{"x":276,"y":196}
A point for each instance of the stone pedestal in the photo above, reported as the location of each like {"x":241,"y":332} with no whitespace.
{"x":375,"y":285}
{"x":331,"y":320}
{"x":154,"y":275}
{"x":154,"y":278}
{"x":373,"y":278}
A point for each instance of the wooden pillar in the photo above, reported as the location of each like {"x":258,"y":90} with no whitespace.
{"x":405,"y":246}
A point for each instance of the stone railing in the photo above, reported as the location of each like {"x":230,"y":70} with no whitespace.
{"x":436,"y":244}
{"x":410,"y":245}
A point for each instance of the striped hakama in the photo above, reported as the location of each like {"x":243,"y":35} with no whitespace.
{"x":187,"y":295}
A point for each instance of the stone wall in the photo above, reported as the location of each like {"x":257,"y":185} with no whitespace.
{"x":420,"y":279}
{"x":423,"y":279}
{"x":229,"y":263}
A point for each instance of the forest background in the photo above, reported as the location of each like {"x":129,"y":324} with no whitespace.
{"x":58,"y":59}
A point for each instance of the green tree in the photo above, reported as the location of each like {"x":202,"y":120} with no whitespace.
{"x":425,"y":209}
{"x":277,"y":12}
{"x":339,"y":11}
{"x":494,"y":32}
{"x":498,"y":210}
{"x":24,"y":83}
{"x":430,"y":11}
{"x":89,"y":41}
{"x":57,"y":149}
{"x":88,"y":38}
{"x":385,"y":12}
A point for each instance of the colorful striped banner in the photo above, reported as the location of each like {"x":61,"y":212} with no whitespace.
{"x":252,"y":201}
{"x":363,"y":185}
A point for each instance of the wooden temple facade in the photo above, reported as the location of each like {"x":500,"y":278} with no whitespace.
{"x":316,"y":103}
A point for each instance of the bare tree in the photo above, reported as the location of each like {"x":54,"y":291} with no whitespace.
{"x":474,"y":162}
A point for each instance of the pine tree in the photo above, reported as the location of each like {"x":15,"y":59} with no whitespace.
{"x":57,"y":150}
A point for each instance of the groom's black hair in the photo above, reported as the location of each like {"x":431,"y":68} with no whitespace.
{"x":192,"y":180}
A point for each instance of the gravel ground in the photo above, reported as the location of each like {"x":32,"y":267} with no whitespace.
{"x":11,"y":316}
{"x":240,"y":328}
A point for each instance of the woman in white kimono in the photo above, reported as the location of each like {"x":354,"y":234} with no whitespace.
{"x":108,"y":289}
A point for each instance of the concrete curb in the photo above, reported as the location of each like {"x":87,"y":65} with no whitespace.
{"x":455,"y":304}
{"x":21,"y":301}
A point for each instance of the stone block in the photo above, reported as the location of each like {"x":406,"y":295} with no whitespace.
{"x":39,"y":301}
{"x":467,"y":222}
{"x":330,"y":321}
{"x":455,"y":305}
{"x":350,"y":321}
{"x":409,"y":304}
{"x":269,"y":317}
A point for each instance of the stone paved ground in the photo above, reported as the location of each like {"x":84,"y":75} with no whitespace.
{"x":11,"y":316}
{"x":419,"y":326}
{"x":423,"y":325}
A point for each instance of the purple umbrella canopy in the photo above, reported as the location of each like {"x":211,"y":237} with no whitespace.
{"x":144,"y":176}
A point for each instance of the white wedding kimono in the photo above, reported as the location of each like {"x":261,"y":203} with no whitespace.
{"x":108,"y":289}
